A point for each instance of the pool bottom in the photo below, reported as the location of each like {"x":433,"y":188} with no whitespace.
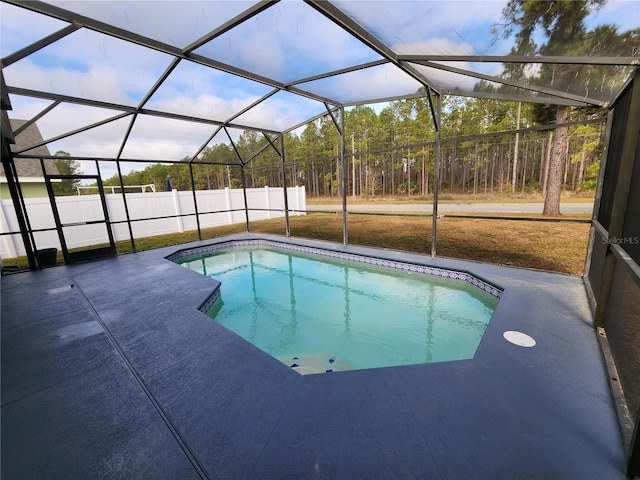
{"x":319,"y":362}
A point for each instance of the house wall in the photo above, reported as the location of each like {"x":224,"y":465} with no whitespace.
{"x":29,"y":190}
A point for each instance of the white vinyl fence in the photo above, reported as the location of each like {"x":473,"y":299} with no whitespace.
{"x":79,"y":209}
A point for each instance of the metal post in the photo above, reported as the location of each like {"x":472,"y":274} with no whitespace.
{"x":436,"y":177}
{"x":20,"y":209}
{"x":284,"y":188}
{"x":124,"y":196}
{"x":107,"y":219}
{"x":343,"y":177}
{"x":244,"y":193}
{"x":32,"y":247}
{"x":596,"y":203}
{"x":195,"y":202}
{"x":126,"y":208}
{"x":56,"y":214}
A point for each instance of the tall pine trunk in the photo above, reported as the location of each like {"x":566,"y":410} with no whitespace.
{"x":545,"y":182}
{"x":583,"y":157}
{"x":514,"y":176}
{"x":556,"y":164}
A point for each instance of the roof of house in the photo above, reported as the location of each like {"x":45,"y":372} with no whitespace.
{"x":30,"y":167}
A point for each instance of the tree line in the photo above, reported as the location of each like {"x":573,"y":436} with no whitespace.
{"x":392,"y":152}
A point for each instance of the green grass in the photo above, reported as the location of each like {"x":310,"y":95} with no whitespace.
{"x":559,"y":247}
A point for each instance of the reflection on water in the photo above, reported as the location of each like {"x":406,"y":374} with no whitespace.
{"x":318,"y":314}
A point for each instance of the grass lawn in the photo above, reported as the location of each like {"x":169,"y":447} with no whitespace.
{"x":559,"y":247}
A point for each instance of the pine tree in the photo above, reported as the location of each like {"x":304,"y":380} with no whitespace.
{"x":565,"y":31}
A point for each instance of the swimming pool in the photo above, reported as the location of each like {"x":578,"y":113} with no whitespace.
{"x":323,"y":311}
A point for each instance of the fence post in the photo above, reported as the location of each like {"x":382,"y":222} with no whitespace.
{"x":268,"y":198}
{"x":303,"y":200}
{"x":227,"y":197}
{"x":8,"y":239}
{"x":176,"y":204}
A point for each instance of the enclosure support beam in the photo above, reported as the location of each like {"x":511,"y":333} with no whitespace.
{"x":598,"y":198}
{"x":436,"y":177}
{"x":107,"y":218}
{"x":244,"y":193}
{"x":56,"y":214}
{"x":343,"y":179}
{"x":74,"y":132}
{"x":37,"y":117}
{"x":230,"y":24}
{"x":284,"y":188}
{"x":581,"y":60}
{"x":195,"y":201}
{"x":284,"y":176}
{"x":434,"y":117}
{"x":34,"y":47}
{"x":341,"y":19}
{"x":18,"y":204}
{"x":126,"y":207}
{"x":577,"y":99}
{"x":204,"y":145}
{"x":124,"y":196}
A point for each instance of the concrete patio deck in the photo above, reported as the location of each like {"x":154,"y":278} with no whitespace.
{"x":110,"y":371}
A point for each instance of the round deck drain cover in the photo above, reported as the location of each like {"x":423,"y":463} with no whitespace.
{"x":519,"y":338}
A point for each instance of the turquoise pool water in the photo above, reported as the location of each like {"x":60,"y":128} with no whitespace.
{"x":318,"y":314}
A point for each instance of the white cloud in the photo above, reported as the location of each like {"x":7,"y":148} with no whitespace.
{"x":165,"y":139}
{"x":287,"y":42}
{"x":442,"y":78}
{"x":280,"y":112}
{"x":177,"y":23}
{"x":190,"y":84}
{"x":103,"y":141}
{"x":66,"y":118}
{"x":378,"y":82}
{"x":436,"y":46}
{"x":24,"y":108}
{"x":625,"y":14}
{"x":99,"y":83}
{"x":414,"y":22}
{"x":204,"y":106}
{"x":20,"y":27}
{"x":310,"y":37}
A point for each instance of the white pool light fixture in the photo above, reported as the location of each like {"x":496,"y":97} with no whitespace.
{"x":519,"y":338}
